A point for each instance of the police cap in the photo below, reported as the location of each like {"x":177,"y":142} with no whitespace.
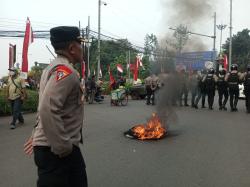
{"x":64,"y":34}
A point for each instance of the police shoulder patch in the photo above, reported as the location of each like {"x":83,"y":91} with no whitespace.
{"x":62,"y":72}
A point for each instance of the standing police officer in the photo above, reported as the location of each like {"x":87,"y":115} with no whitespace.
{"x":148,"y":82}
{"x":247,"y":88}
{"x":222,"y":89}
{"x":194,"y":87}
{"x":210,"y":81}
{"x":233,"y":78}
{"x":154,"y":86}
{"x":57,"y":135}
{"x":183,"y":87}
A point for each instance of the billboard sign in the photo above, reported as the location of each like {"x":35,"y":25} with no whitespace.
{"x":195,"y":60}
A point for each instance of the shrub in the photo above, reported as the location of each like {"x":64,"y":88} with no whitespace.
{"x":30,"y":104}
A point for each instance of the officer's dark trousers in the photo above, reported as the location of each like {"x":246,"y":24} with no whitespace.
{"x":153,"y":97}
{"x":234,"y":95}
{"x":210,"y":98}
{"x":16,"y":107}
{"x":149,"y":94}
{"x":60,"y":172}
{"x":184,"y":92}
{"x":203,"y":97}
{"x":247,"y":94}
{"x":221,"y":94}
{"x":194,"y":91}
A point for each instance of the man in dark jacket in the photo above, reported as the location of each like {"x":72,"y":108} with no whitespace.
{"x":222,"y":89}
{"x":233,"y":78}
{"x":210,"y":81}
{"x":247,"y":88}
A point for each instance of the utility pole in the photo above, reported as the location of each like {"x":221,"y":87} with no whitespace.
{"x":214,"y":36}
{"x":99,"y":37}
{"x":221,"y":27}
{"x":88,"y":45}
{"x":129,"y":64}
{"x":231,"y":28}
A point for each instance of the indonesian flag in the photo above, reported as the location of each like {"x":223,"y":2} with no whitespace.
{"x":12,"y":55}
{"x":119,"y":68}
{"x":136,"y":68}
{"x":139,"y":59}
{"x":225,"y":62}
{"x":28,"y":39}
{"x":111,"y":78}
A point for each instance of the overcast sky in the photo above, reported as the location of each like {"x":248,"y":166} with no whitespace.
{"x":131,"y":19}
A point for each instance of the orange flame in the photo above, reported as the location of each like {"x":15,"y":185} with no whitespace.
{"x":152,"y":130}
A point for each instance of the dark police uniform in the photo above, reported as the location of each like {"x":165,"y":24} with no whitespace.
{"x":210,"y":81}
{"x":222,"y":87}
{"x":247,"y":90}
{"x":183,"y":88}
{"x":148,"y":82}
{"x":233,"y":78}
{"x":57,"y":136}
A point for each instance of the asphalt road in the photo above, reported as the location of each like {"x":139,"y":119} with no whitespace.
{"x":203,"y":148}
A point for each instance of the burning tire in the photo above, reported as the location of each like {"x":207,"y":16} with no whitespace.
{"x":153,"y":130}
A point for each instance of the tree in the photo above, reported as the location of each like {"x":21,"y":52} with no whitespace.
{"x":112,"y":53}
{"x":150,"y":45}
{"x":240,"y":48}
{"x":36,"y":73}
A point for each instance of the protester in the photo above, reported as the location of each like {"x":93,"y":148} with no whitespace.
{"x":16,"y":94}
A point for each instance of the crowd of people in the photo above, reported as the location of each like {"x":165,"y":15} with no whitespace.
{"x":202,"y":85}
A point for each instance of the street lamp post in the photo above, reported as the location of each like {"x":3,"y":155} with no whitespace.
{"x":231,"y":28}
{"x":221,"y":27}
{"x":99,"y":37}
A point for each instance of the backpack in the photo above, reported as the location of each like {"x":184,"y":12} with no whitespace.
{"x":209,"y":82}
{"x":221,"y":83}
{"x":247,"y":81}
{"x":233,"y":81}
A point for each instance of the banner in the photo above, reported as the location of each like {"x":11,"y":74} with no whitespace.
{"x":111,"y":78}
{"x":12,"y":55}
{"x":28,"y":39}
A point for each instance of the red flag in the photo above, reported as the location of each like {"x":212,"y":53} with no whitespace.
{"x":111,"y":78}
{"x":136,"y":68}
{"x":12,"y":55}
{"x":28,"y":39}
{"x":119,"y":68}
{"x":132,"y":67}
{"x":225,"y":62}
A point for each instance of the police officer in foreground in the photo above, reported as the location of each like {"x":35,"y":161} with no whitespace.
{"x":222,"y":88}
{"x":233,"y":79}
{"x":210,"y":81}
{"x":57,"y":135}
{"x":247,"y":88}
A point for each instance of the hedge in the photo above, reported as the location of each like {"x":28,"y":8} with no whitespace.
{"x":30,"y":104}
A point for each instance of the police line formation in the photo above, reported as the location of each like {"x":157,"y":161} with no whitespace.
{"x":204,"y":84}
